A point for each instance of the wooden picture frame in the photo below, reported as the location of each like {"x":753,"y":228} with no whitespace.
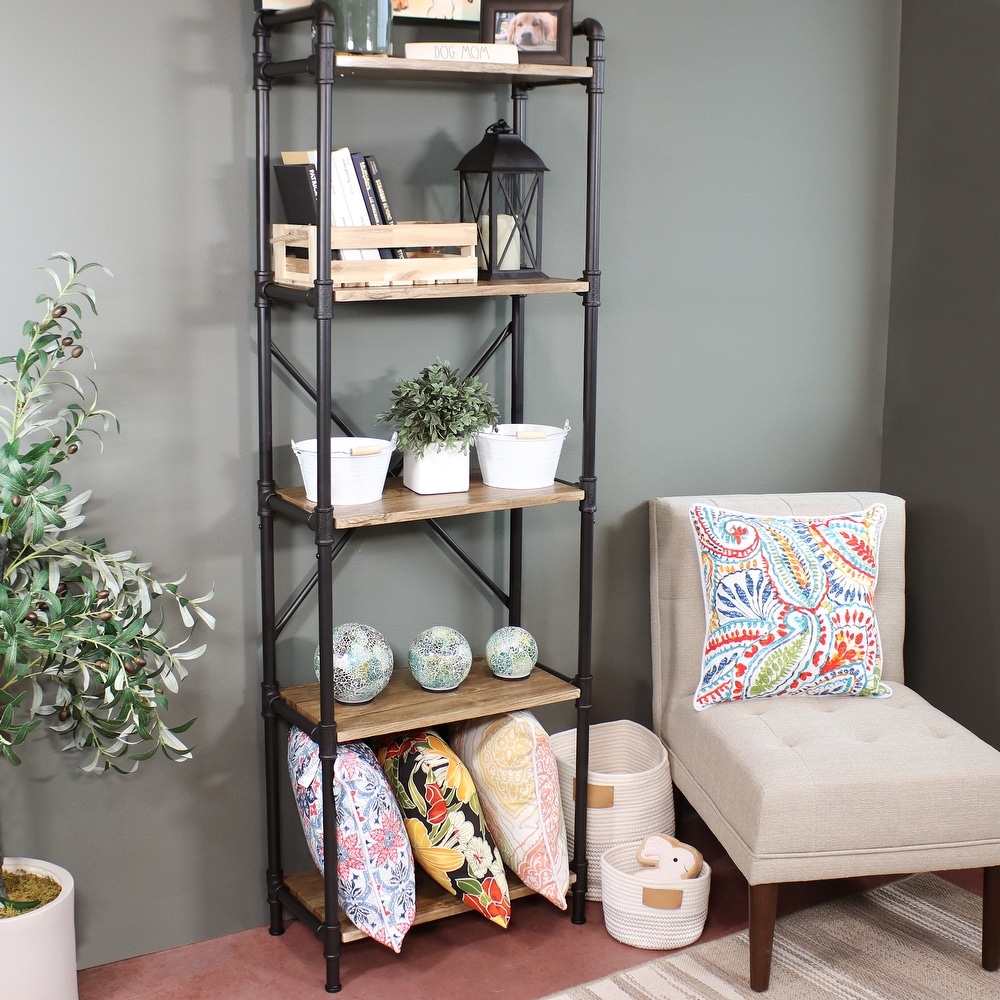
{"x":454,"y":11}
{"x":542,"y":30}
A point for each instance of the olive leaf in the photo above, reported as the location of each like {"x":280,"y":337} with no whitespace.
{"x":83,"y":640}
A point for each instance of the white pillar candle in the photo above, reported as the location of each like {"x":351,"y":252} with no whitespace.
{"x":510,"y":258}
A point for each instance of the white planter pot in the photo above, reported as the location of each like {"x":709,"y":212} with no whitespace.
{"x":437,"y":470}
{"x":38,"y":947}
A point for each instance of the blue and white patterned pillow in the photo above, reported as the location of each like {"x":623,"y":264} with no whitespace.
{"x":789,"y":604}
{"x":374,"y":859}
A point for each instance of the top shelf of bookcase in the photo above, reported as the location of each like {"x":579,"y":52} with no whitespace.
{"x":369,"y":67}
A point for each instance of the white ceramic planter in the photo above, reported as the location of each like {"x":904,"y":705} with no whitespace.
{"x":437,"y":470}
{"x":38,"y":947}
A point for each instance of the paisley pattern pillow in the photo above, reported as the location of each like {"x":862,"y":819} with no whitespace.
{"x":515,"y":771}
{"x":443,"y":818}
{"x":374,"y":861}
{"x":789,"y":604}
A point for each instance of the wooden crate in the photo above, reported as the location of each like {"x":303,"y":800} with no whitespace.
{"x":425,"y":264}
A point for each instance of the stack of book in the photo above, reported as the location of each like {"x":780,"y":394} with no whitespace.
{"x":357,"y":194}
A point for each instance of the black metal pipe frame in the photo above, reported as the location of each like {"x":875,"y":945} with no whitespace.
{"x":588,"y":481}
{"x":471,"y":563}
{"x":321,"y":65}
{"x":298,"y":599}
{"x":323,"y":47}
{"x":265,"y":481}
{"x":309,"y":388}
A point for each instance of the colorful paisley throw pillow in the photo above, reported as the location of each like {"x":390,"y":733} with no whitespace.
{"x":789,"y":604}
{"x":374,"y":861}
{"x":515,"y":771}
{"x":445,"y":822}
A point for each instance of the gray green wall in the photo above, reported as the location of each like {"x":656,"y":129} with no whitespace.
{"x":748,"y":167}
{"x":942,"y":406}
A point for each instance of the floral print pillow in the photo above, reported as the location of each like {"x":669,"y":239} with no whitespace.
{"x":445,"y":822}
{"x":375,"y":866}
{"x":515,"y":770}
{"x":789,"y":604}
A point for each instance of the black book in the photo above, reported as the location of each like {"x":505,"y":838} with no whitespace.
{"x":383,"y":200}
{"x":298,"y":186}
{"x":371,"y":203}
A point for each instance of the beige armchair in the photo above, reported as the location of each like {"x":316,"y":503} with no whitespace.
{"x":803,"y":788}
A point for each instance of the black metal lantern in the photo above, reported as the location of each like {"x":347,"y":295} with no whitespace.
{"x":501,"y":191}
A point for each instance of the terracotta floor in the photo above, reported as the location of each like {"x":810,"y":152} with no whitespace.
{"x":454,"y":959}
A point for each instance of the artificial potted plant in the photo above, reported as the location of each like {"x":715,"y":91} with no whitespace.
{"x":82,"y":640}
{"x":436,"y":416}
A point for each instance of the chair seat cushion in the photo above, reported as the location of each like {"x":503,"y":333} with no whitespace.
{"x":822,"y":778}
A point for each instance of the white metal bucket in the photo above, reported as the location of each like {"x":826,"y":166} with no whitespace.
{"x":520,"y":456}
{"x":358,"y":467}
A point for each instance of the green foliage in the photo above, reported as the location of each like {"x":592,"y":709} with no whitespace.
{"x":439,"y":407}
{"x":82,"y":628}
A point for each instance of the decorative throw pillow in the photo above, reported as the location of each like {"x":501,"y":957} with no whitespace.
{"x":445,"y":822}
{"x":789,"y":604}
{"x":374,"y":861}
{"x":515,"y":772}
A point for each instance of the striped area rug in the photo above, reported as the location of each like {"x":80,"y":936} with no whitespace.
{"x":916,"y":939}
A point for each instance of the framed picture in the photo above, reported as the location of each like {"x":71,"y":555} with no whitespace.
{"x":436,"y":10}
{"x":542,"y":30}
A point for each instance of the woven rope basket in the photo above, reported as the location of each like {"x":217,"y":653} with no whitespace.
{"x":629,"y":792}
{"x":647,"y":912}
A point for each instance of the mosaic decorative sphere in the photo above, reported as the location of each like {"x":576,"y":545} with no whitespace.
{"x":440,"y":658}
{"x":362,"y":663}
{"x":511,"y":652}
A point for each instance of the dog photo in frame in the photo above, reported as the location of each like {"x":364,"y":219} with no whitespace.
{"x":542,"y":30}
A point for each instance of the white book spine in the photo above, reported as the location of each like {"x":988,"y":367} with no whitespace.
{"x":339,"y":215}
{"x":346,"y":179}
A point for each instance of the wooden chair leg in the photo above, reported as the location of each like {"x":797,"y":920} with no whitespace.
{"x":763,"y":902}
{"x":991,"y":919}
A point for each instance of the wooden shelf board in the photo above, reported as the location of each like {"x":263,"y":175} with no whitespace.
{"x":433,"y":902}
{"x":458,"y":290}
{"x":376,"y":67}
{"x":404,"y":704}
{"x":450,"y":290}
{"x":398,"y":504}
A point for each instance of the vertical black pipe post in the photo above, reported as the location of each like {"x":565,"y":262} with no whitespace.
{"x":265,"y":479}
{"x":324,"y":57}
{"x":515,"y":567}
{"x":588,"y":481}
